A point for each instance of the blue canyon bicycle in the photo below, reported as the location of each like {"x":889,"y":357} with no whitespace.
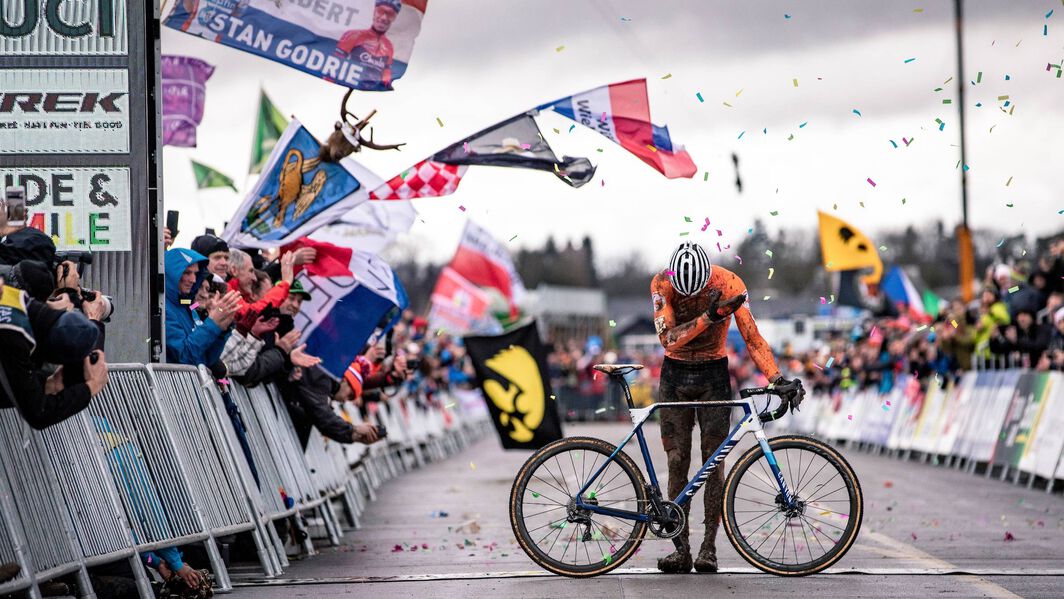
{"x":792,"y":505}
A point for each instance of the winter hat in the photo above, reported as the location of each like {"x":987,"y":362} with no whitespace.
{"x":208,"y":244}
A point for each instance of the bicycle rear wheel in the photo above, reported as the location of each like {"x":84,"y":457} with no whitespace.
{"x":561,"y":538}
{"x":803,"y":540}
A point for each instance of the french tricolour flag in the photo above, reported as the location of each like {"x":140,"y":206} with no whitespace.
{"x":621,"y":112}
{"x":353,"y":293}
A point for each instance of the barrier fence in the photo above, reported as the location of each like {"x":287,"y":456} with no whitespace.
{"x":163,"y":457}
{"x":999,"y":423}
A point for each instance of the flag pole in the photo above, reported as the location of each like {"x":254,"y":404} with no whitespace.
{"x":966,"y":254}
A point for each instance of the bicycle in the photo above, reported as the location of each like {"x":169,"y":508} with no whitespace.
{"x":608,"y":520}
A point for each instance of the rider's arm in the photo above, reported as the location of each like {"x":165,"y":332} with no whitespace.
{"x":673,"y":336}
{"x":755,"y":343}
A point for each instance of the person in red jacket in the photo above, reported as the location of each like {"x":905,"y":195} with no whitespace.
{"x":244,"y":281}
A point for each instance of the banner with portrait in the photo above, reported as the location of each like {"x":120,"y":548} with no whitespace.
{"x":362,"y":44}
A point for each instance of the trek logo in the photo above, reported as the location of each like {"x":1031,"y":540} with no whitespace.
{"x":52,"y":102}
{"x":708,"y":469}
{"x":32,"y":13}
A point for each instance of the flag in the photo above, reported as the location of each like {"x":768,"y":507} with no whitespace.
{"x":512,"y":372}
{"x":899,"y":288}
{"x":297,"y":193}
{"x":484,"y":261}
{"x":184,"y":90}
{"x":370,"y":226}
{"x":845,"y":248}
{"x":208,"y":177}
{"x":456,"y":304}
{"x":515,"y":142}
{"x":331,"y":261}
{"x":621,"y":112}
{"x":343,"y":311}
{"x":362,"y":44}
{"x":269,"y":126}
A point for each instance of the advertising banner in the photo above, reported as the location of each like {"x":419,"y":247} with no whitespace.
{"x":363,"y":44}
{"x":84,"y":28}
{"x":81,"y":208}
{"x":64,"y":111}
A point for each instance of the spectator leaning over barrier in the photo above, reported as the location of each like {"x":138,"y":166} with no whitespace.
{"x":992,"y":313}
{"x":32,"y":334}
{"x":187,"y":343}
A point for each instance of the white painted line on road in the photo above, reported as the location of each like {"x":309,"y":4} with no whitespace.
{"x":989,"y":588}
{"x":966,"y":573}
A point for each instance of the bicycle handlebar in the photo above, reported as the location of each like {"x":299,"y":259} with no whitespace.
{"x":766,"y":416}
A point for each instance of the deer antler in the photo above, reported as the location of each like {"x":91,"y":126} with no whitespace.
{"x":374,"y":146}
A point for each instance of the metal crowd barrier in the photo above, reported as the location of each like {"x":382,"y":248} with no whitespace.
{"x":156,"y":461}
{"x":1005,"y":423}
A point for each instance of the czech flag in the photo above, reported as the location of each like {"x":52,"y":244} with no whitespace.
{"x":899,"y":288}
{"x":621,"y":112}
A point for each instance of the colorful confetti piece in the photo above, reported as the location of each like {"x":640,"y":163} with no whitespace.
{"x":440,"y":121}
{"x":871,"y":182}
{"x":699,"y":96}
{"x":908,"y":60}
{"x":857,"y":112}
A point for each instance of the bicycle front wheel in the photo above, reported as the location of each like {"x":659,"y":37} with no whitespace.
{"x":562,"y":538}
{"x":793,"y":540}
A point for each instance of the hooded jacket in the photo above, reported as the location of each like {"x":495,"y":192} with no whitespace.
{"x":187,"y":343}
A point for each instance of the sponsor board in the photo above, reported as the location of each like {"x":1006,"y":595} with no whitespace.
{"x":63,"y":27}
{"x":64,"y":111}
{"x":81,"y":208}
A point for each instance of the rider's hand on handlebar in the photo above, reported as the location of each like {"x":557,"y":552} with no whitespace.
{"x":789,"y":390}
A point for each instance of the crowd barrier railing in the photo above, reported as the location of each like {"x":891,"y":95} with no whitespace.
{"x":998,"y":423}
{"x":164,"y":457}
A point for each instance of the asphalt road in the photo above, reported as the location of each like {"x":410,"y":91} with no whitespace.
{"x":927,"y":531}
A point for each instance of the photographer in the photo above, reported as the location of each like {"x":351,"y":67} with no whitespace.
{"x":32,"y":334}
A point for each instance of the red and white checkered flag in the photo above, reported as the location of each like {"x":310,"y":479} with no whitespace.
{"x":426,"y":179}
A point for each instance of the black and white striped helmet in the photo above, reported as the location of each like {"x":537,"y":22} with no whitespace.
{"x":690,"y":268}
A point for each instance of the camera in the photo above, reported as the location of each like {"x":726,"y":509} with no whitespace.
{"x":79,"y":296}
{"x":413,"y":364}
{"x":80,"y":258}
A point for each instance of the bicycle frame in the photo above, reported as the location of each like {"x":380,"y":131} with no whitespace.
{"x":750,"y":423}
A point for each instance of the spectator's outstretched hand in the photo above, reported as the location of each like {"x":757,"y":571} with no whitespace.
{"x":168,"y":239}
{"x":264,"y":326}
{"x":365,"y":433}
{"x":305,"y":256}
{"x":224,"y":309}
{"x":303,"y":359}
{"x":288,"y":267}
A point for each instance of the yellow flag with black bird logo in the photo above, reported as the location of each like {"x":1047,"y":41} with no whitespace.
{"x":512,"y":372}
{"x":844,"y":247}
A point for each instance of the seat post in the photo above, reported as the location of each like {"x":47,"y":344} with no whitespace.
{"x":627,"y":392}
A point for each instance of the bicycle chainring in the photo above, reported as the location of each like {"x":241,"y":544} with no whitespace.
{"x":669,"y":522}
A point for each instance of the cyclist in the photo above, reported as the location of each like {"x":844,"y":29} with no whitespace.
{"x":691,"y":320}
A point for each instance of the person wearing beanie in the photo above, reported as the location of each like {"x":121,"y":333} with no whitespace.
{"x":32,"y":334}
{"x":187,"y":342}
{"x":217,"y":252}
{"x":35,"y":278}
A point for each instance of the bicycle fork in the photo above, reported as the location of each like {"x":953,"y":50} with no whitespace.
{"x":786,"y":500}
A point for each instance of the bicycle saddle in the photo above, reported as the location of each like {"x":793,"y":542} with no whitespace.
{"x":612,"y":368}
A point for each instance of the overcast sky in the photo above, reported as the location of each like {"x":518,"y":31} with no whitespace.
{"x":477,"y":62}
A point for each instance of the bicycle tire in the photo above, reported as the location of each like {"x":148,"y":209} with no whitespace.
{"x":853,"y":516}
{"x":531,"y":546}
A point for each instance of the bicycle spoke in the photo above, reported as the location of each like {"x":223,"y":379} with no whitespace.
{"x":823,"y":522}
{"x":770,"y":535}
{"x":545,"y":511}
{"x":549,"y":485}
{"x":808,"y":545}
{"x":773,"y":495}
{"x":761,"y":515}
{"x":799,"y":490}
{"x":828,"y":494}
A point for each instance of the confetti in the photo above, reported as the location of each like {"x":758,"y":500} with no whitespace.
{"x":803,"y":125}
{"x":651,"y":148}
{"x":830,"y":361}
{"x":947,"y":101}
{"x":954,"y":323}
{"x":513,"y":238}
{"x":979,"y":77}
{"x":726,"y":104}
{"x":850,"y":417}
{"x":667,"y":76}
{"x":766,"y":298}
{"x":908,"y":60}
{"x":687,"y":219}
{"x":892,"y":143}
{"x":706,"y":226}
{"x":186,"y":301}
{"x":194,"y":306}
{"x":737,"y":257}
{"x":1008,"y":535}
{"x":768,"y":253}
{"x":1000,"y":243}
{"x":787,"y":16}
{"x":795,"y":82}
{"x":857,"y":112}
{"x":462,"y":208}
{"x":908,"y":141}
{"x":739,"y":92}
{"x":1014,"y":289}
{"x":771,"y":271}
{"x":774,"y":213}
{"x":472,"y":466}
{"x":705,"y":176}
{"x":1007,"y":182}
{"x":1009,"y":205}
{"x":613,"y":323}
{"x":571,"y":127}
{"x":871,"y":182}
{"x":440,"y":121}
{"x":559,"y":48}
{"x":741,"y":135}
{"x":1003,"y":98}
{"x":699,"y":96}
{"x":918,"y":10}
{"x":1049,"y":14}
{"x":625,"y":19}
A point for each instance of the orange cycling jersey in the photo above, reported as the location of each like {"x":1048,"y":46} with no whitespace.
{"x":689,"y":334}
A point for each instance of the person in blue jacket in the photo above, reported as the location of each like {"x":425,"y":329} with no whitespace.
{"x":187,"y":342}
